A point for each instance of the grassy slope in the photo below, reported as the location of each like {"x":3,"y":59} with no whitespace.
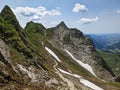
{"x":112,"y":59}
{"x":70,"y":64}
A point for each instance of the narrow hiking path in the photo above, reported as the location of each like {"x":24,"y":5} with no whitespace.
{"x":70,"y":84}
{"x":82,"y":80}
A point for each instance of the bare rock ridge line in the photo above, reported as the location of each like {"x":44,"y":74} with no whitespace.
{"x":81,"y":47}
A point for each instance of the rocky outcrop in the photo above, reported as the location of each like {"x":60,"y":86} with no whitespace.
{"x":4,"y":49}
{"x":32,"y":27}
{"x":10,"y":18}
{"x":82,"y":48}
{"x":4,"y":62}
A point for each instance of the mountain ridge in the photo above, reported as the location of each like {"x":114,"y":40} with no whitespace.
{"x":25,"y":63}
{"x":9,"y":17}
{"x":76,"y":39}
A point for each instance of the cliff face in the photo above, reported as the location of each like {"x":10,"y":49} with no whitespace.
{"x":82,"y":48}
{"x":57,"y":58}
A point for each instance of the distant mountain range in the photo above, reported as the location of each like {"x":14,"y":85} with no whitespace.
{"x":106,"y":41}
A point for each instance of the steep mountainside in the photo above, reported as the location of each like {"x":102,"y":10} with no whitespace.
{"x":112,"y":59}
{"x":108,"y":46}
{"x":81,"y":47}
{"x":97,"y":42}
{"x":59,"y":58}
{"x":10,"y":18}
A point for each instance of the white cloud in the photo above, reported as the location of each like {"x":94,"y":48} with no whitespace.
{"x":35,"y":17}
{"x":118,"y":11}
{"x":25,"y":11}
{"x":79,"y":8}
{"x":42,"y":8}
{"x":52,"y":24}
{"x":88,"y":20}
{"x":36,"y":13}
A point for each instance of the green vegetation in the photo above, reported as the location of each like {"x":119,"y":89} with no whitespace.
{"x":112,"y":59}
{"x":116,"y":45}
{"x":66,"y":38}
{"x":32,"y":27}
{"x":7,"y":31}
{"x":68,"y":63}
{"x":35,"y":36}
{"x":10,"y":18}
{"x":49,"y":33}
{"x":9,"y":34}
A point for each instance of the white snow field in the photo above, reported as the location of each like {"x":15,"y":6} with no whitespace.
{"x":86,"y":66}
{"x":53,"y":54}
{"x":83,"y":81}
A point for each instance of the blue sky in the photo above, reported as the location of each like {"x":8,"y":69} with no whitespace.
{"x":89,"y":16}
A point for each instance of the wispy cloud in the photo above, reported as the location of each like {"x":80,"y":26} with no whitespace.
{"x":88,"y":20}
{"x":79,"y":8}
{"x":52,"y":24}
{"x":118,"y":11}
{"x":36,"y":13}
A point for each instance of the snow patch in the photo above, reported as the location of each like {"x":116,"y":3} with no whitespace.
{"x":83,"y":81}
{"x":74,"y":75}
{"x":53,"y":54}
{"x":28,"y":72}
{"x":90,"y":84}
{"x":86,"y":66}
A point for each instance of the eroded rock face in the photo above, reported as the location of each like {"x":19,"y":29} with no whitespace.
{"x":4,"y":49}
{"x":4,"y":54}
{"x":4,"y":62}
{"x":18,"y":73}
{"x":82,"y":48}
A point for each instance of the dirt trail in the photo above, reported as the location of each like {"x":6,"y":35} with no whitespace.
{"x":69,"y":83}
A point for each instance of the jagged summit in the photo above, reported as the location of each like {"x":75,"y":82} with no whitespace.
{"x":31,"y":22}
{"x":7,"y":13}
{"x":81,"y":47}
{"x":35,"y":27}
{"x":10,"y":17}
{"x":6,"y":9}
{"x":62,"y":24}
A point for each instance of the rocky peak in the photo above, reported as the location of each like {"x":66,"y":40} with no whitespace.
{"x":75,"y":33}
{"x":6,"y":10}
{"x":35,"y":24}
{"x":10,"y":17}
{"x":82,"y":48}
{"x":62,"y":24}
{"x":35,"y":27}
